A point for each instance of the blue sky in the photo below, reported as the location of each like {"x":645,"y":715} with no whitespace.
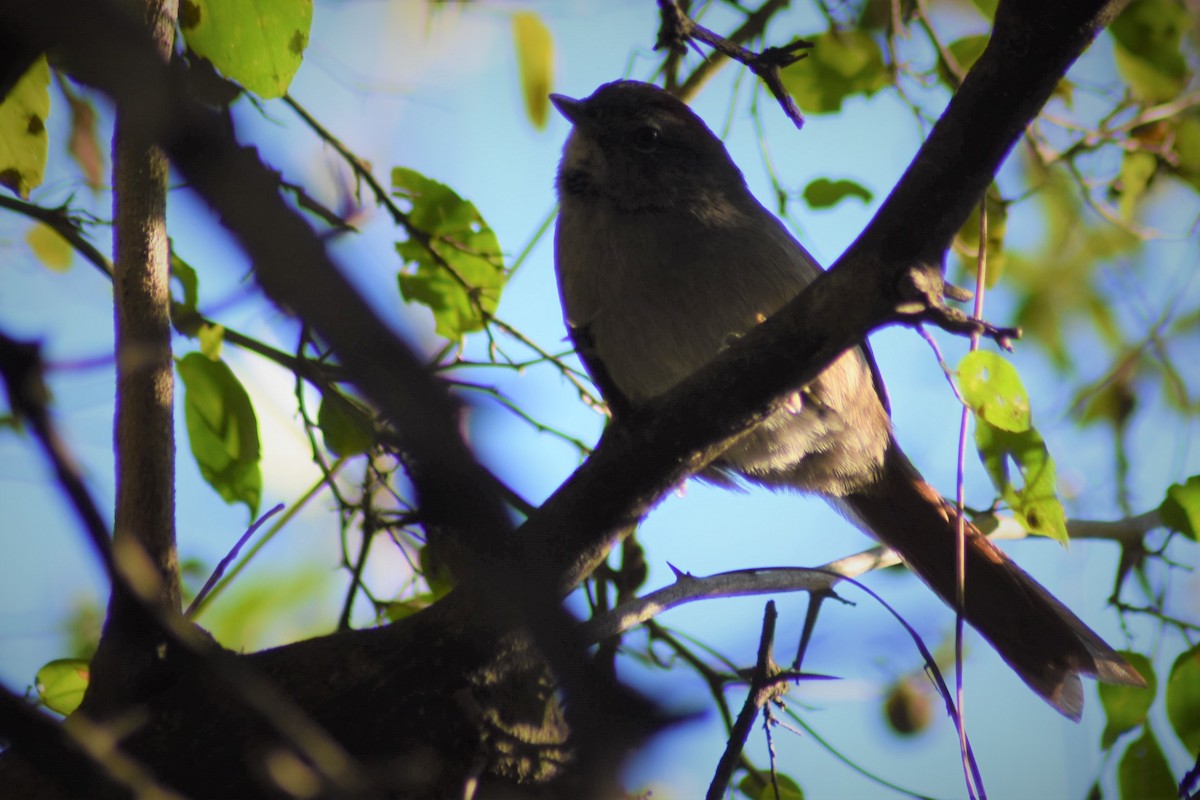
{"x":439,"y":93}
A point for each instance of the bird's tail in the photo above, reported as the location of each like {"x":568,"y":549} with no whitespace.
{"x":1039,"y":637}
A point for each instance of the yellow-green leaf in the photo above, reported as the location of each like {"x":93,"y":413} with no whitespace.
{"x":61,"y":684}
{"x":459,"y":270}
{"x":211,"y":338}
{"x":992,"y":388}
{"x":1035,"y":504}
{"x":1180,"y":510}
{"x":222,"y":429}
{"x":23,"y":140}
{"x":50,"y":248}
{"x":535,"y":60}
{"x":258,"y":43}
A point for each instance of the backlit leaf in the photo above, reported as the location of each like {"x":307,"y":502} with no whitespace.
{"x":1035,"y":504}
{"x":535,"y":60}
{"x":1180,"y":510}
{"x":23,"y":140}
{"x":992,"y":388}
{"x":462,"y":284}
{"x":61,"y":684}
{"x":50,"y":248}
{"x":222,"y":429}
{"x":258,"y":43}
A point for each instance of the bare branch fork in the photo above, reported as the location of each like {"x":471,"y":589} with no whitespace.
{"x":678,"y":28}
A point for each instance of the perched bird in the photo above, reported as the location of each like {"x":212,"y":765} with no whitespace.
{"x":663,"y":256}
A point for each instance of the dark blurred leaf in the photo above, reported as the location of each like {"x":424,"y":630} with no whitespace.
{"x":824,"y":193}
{"x":435,"y":573}
{"x":1126,"y":707}
{"x":345,"y":426}
{"x":908,"y":708}
{"x":758,"y":786}
{"x":463,"y":296}
{"x":222,"y":429}
{"x":260,"y":45}
{"x":1143,"y":773}
{"x":1180,"y":510}
{"x":1148,"y":35}
{"x":840,"y":64}
{"x":61,"y":684}
{"x":535,"y":60}
{"x":1183,"y":699}
{"x":84,"y":145}
{"x":23,"y":140}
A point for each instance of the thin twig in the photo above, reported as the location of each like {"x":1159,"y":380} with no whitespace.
{"x":227,"y":560}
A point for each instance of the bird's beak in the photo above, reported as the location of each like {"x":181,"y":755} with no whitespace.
{"x":574,"y":110}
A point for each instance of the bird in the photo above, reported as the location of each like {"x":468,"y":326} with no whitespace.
{"x":663,"y":256}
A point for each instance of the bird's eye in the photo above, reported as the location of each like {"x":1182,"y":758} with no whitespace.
{"x":645,"y":139}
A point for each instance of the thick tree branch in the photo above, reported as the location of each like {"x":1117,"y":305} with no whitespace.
{"x":891,"y":274}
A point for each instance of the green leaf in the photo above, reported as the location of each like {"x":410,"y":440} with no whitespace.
{"x":1180,"y":510}
{"x":222,"y":429}
{"x":824,"y":193}
{"x":1148,"y":36}
{"x":1035,"y":504}
{"x":1183,"y":699}
{"x":992,"y":388}
{"x":840,"y":63}
{"x":258,"y":43}
{"x":465,"y":295}
{"x":1143,"y":773}
{"x":211,"y":338}
{"x":758,"y":786}
{"x":346,"y":426}
{"x":535,"y":60}
{"x":61,"y":684}
{"x":1125,"y":707}
{"x":23,"y":140}
{"x":51,"y":249}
